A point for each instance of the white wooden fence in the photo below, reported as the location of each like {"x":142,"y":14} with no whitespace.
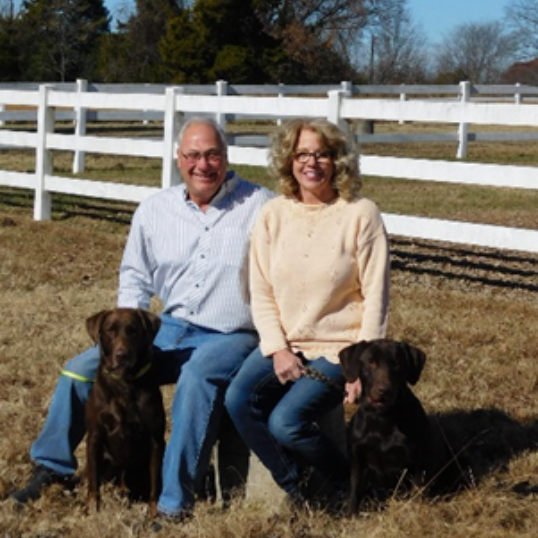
{"x":516,"y":93}
{"x":339,"y":106}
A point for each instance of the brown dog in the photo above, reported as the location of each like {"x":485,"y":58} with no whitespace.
{"x":391,"y":440}
{"x":125,"y":414}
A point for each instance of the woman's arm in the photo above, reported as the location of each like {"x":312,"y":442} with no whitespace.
{"x":265,"y":310}
{"x":374,"y":274}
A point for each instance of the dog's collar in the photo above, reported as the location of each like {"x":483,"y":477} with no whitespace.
{"x":142,"y":372}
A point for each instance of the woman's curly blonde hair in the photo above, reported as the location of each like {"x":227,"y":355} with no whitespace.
{"x":346,"y":180}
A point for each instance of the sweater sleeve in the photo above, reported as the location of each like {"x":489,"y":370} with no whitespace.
{"x":374,"y":272}
{"x":265,"y":310}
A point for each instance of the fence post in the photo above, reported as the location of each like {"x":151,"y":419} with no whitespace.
{"x":172,"y":125}
{"x":347,"y":90}
{"x":333,"y":109}
{"x":145,"y":120}
{"x":281,"y":93}
{"x":518,"y":97}
{"x":465,"y":97}
{"x":43,"y":167}
{"x":222,"y":89}
{"x":347,"y":87}
{"x":403,"y":98}
{"x":79,"y":158}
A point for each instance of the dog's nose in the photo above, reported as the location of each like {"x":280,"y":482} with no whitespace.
{"x":120,"y":357}
{"x":380,"y":392}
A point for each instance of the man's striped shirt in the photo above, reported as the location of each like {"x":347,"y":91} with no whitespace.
{"x":196,"y":262}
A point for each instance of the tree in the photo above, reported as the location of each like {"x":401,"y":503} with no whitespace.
{"x":9,"y":65}
{"x":479,"y":51}
{"x":112,"y":59}
{"x":396,"y":46}
{"x":143,"y":32}
{"x":522,"y":16}
{"x":61,"y":37}
{"x":318,"y":36}
{"x":219,"y":39}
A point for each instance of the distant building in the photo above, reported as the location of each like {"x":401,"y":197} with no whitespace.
{"x":522,"y":72}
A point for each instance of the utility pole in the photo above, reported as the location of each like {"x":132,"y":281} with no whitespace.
{"x":372,"y":59}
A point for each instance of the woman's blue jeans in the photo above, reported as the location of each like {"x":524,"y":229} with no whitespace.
{"x":201,"y":361}
{"x":278,"y":422}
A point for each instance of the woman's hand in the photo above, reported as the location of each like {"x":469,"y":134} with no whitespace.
{"x":353,"y":391}
{"x":287,"y":365}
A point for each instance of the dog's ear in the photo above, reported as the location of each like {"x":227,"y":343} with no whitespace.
{"x":151,"y":322}
{"x":414,"y":359}
{"x":349,"y":359}
{"x":93,"y":324}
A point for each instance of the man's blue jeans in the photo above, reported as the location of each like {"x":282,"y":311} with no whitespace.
{"x":278,"y":422}
{"x":201,"y":361}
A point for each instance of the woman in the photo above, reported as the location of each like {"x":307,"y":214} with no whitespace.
{"x":319,"y":276}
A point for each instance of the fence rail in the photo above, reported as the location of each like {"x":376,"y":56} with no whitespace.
{"x":441,"y":93}
{"x":340,"y":105}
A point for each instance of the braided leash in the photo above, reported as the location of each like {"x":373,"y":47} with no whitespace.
{"x":312,"y":373}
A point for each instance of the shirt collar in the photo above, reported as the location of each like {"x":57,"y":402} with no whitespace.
{"x":229,"y":185}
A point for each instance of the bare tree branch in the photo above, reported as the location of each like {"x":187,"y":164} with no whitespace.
{"x":478,"y":51}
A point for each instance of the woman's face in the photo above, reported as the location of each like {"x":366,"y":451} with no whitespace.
{"x":315,"y":173}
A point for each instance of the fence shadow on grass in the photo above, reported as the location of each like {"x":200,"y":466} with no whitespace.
{"x":486,"y":440}
{"x":66,"y":207}
{"x":489,"y":267}
{"x":495,"y":268}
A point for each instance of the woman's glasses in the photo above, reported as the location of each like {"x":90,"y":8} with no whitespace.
{"x":319,"y":156}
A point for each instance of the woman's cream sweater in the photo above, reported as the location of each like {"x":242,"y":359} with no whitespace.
{"x":319,"y":276}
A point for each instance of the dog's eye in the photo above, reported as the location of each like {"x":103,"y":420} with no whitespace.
{"x":110,"y":329}
{"x":130,"y":329}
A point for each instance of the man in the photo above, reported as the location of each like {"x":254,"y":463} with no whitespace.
{"x":188,"y":245}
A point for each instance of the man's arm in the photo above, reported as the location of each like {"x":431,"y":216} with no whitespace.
{"x":137,"y":267}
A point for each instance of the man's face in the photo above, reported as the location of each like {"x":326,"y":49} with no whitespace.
{"x":202,"y":162}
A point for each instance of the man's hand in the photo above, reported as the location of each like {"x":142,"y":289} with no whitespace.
{"x":287,"y":365}
{"x":353,"y":391}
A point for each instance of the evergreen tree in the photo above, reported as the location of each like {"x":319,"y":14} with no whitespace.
{"x":219,"y":39}
{"x":60,"y":38}
{"x":142,"y":34}
{"x":9,"y":65}
{"x":112,"y":59}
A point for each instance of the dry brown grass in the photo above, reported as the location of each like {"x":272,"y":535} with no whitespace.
{"x":473,"y":312}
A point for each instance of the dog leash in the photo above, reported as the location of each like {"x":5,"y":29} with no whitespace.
{"x":312,"y":373}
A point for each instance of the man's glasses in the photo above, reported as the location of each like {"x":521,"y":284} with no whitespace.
{"x":212,"y":156}
{"x":319,"y":156}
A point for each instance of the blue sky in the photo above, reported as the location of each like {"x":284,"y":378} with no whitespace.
{"x":437,"y":17}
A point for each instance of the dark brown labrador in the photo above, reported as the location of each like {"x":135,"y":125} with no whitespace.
{"x":391,"y":440}
{"x":124,"y":414}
